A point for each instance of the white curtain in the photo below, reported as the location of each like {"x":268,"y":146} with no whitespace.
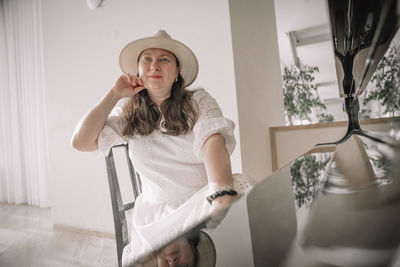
{"x":23,"y":131}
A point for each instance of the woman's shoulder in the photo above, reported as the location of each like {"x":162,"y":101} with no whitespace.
{"x":116,"y":111}
{"x":200,"y":93}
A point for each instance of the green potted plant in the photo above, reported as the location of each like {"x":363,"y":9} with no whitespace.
{"x":387,"y":83}
{"x":307,"y":174}
{"x":300,"y":94}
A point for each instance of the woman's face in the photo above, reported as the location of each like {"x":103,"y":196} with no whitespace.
{"x":179,"y":253}
{"x":158,"y":70}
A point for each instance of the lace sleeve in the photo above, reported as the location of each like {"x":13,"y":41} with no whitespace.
{"x":111,"y":134}
{"x":211,"y":121}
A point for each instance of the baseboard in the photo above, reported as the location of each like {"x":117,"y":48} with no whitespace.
{"x":83,"y":231}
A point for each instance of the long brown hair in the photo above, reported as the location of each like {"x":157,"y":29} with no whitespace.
{"x":141,"y":116}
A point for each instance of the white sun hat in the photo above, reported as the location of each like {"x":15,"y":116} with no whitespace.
{"x":189,"y":66}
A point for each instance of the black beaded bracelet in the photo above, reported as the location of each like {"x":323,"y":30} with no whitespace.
{"x":221,"y":193}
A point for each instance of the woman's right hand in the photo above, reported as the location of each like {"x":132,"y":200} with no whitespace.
{"x":86,"y":133}
{"x":127,"y":85}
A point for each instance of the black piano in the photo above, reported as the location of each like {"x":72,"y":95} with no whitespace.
{"x":345,"y":211}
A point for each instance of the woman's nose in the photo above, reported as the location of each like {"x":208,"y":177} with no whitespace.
{"x":172,"y":261}
{"x":154,"y":65}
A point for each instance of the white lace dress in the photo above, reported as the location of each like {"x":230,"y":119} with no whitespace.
{"x":173,"y":175}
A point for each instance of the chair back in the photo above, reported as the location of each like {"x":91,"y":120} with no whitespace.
{"x":118,"y":207}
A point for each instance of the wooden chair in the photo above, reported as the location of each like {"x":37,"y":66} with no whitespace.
{"x":118,"y":207}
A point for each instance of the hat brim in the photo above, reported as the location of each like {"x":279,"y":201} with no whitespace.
{"x":189,"y":67}
{"x":207,"y":251}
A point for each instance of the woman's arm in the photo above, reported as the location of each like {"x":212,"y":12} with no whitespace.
{"x":218,"y":166}
{"x":89,"y":127}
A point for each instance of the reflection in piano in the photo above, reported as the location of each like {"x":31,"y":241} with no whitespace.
{"x":338,"y":204}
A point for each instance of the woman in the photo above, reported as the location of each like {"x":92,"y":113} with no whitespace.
{"x":179,"y":140}
{"x":194,"y":249}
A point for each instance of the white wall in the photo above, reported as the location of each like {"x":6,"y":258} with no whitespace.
{"x":258,"y":82}
{"x":81,"y":49}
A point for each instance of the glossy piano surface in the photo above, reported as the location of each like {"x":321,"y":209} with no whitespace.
{"x":339,"y":203}
{"x":322,"y":209}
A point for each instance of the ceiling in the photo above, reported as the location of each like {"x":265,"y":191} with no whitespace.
{"x":310,"y":16}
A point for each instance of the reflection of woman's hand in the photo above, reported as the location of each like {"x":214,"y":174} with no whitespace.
{"x":220,"y":207}
{"x":127,"y":85}
{"x":222,"y":201}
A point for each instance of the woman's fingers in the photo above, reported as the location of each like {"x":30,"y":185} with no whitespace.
{"x":137,"y":89}
{"x":128,"y":85}
{"x":127,"y":78}
{"x":139,"y":81}
{"x":133,"y":80}
{"x":136,"y":81}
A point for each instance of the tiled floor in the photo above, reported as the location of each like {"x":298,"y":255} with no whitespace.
{"x":27,"y":238}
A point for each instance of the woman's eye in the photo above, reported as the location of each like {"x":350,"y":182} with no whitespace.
{"x":146,"y":59}
{"x":164,"y":60}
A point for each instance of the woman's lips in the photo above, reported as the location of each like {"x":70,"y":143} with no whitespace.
{"x":155,"y":77}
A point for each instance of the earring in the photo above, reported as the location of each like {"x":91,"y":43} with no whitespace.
{"x":176,"y":79}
